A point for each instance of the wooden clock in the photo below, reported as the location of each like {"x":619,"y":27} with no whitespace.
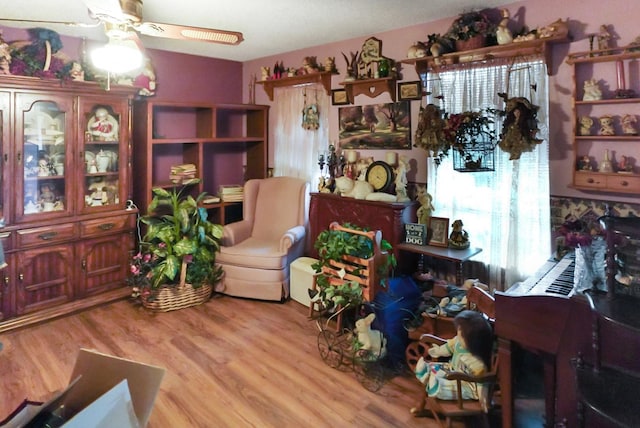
{"x":380,"y":176}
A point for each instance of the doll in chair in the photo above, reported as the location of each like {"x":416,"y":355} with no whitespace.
{"x":469,"y":351}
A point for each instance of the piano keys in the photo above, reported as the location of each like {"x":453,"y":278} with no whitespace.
{"x":552,"y":278}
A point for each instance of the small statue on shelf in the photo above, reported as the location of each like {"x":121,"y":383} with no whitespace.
{"x":426,"y":206}
{"x":503,"y":34}
{"x":585,"y":125}
{"x":584,"y":163}
{"x":625,"y":165}
{"x":628,"y":123}
{"x":604,"y":38}
{"x":606,"y":125}
{"x":459,"y":238}
{"x":592,"y":91}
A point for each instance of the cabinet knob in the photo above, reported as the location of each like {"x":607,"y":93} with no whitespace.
{"x":84,"y":264}
{"x":590,"y":180}
{"x":6,"y":280}
{"x":107,"y":226}
{"x":624,"y":183}
{"x":21,"y":277}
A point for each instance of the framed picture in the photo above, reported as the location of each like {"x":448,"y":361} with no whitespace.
{"x":439,"y":231}
{"x":376,"y":126}
{"x":339,"y":97}
{"x":409,"y":90}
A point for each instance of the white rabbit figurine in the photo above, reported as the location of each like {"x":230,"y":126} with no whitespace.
{"x":371,"y":340}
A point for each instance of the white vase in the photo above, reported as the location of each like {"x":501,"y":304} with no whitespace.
{"x":102,"y":162}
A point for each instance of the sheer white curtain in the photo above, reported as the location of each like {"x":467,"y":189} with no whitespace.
{"x":506,"y":212}
{"x":295,"y":148}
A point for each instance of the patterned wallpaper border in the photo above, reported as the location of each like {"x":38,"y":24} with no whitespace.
{"x":588,"y":210}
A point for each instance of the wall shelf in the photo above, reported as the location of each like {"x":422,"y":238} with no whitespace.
{"x":511,"y":50}
{"x":370,"y":87}
{"x":323,"y":77}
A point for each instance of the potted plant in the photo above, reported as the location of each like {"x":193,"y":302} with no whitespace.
{"x":337,"y":247}
{"x":470,"y":30}
{"x":175,"y":266}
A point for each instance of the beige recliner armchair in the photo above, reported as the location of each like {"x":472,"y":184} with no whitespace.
{"x":256,"y":252}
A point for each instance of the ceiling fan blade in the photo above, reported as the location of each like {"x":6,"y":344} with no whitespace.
{"x":105,"y":10}
{"x":68,"y":24}
{"x":184,"y":32}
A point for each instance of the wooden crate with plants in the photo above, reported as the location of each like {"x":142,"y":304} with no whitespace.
{"x":354,"y":265}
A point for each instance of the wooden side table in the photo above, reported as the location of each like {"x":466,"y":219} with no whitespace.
{"x":448,"y":254}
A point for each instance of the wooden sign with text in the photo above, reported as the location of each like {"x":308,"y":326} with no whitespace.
{"x":415,"y":233}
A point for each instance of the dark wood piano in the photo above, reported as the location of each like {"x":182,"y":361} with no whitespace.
{"x":546,"y":316}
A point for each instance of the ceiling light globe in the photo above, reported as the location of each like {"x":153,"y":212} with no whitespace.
{"x":117,"y":57}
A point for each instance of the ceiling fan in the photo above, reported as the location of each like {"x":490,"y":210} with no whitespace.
{"x":123,"y":19}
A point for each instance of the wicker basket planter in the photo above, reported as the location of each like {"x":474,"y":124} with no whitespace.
{"x":167,"y":299}
{"x":475,"y":42}
{"x":180,"y":296}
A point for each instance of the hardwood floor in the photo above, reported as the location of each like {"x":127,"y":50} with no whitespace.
{"x":230,"y":363}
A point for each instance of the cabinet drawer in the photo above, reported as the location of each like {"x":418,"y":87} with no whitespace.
{"x":107,"y":225}
{"x":585,"y":179}
{"x":624,"y":182}
{"x":46,"y":235}
{"x":7,"y":240}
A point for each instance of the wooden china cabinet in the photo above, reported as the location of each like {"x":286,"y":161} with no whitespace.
{"x":66,"y":230}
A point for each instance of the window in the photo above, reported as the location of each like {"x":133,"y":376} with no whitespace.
{"x":506,"y":211}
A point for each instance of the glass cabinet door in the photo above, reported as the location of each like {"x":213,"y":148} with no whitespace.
{"x":103,"y":127}
{"x":42,"y":153}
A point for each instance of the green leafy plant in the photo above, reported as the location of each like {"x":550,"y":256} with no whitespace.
{"x":177,"y":231}
{"x":331,"y":246}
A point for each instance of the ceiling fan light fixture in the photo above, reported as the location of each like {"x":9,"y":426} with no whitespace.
{"x":117,"y":56}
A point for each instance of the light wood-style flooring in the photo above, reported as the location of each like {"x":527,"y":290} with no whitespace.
{"x":230,"y":363}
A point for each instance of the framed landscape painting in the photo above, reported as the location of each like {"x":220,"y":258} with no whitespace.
{"x":375,"y":126}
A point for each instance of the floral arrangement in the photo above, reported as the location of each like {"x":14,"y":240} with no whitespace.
{"x":577,"y":232}
{"x":37,"y":58}
{"x":469,"y":25}
{"x":460,"y":131}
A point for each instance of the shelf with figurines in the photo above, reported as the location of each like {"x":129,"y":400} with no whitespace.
{"x":369,"y":72}
{"x":442,"y":52}
{"x":310,"y":72}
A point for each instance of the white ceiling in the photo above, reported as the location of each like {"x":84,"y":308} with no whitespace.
{"x":270,"y":27}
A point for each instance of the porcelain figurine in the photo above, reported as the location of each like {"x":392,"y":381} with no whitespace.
{"x":606,"y":125}
{"x":628,"y":123}
{"x":503,"y":34}
{"x":592,"y":90}
{"x":585,"y":125}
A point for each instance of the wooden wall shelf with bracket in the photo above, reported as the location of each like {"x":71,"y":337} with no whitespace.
{"x":540,"y":47}
{"x":370,"y":87}
{"x":323,"y":77}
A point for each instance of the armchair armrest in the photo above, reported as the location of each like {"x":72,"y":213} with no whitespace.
{"x":234,"y":233}
{"x":291,"y":236}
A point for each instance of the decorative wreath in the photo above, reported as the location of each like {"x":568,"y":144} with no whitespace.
{"x":520,"y":126}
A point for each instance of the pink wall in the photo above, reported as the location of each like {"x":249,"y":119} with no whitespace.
{"x":584,"y":16}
